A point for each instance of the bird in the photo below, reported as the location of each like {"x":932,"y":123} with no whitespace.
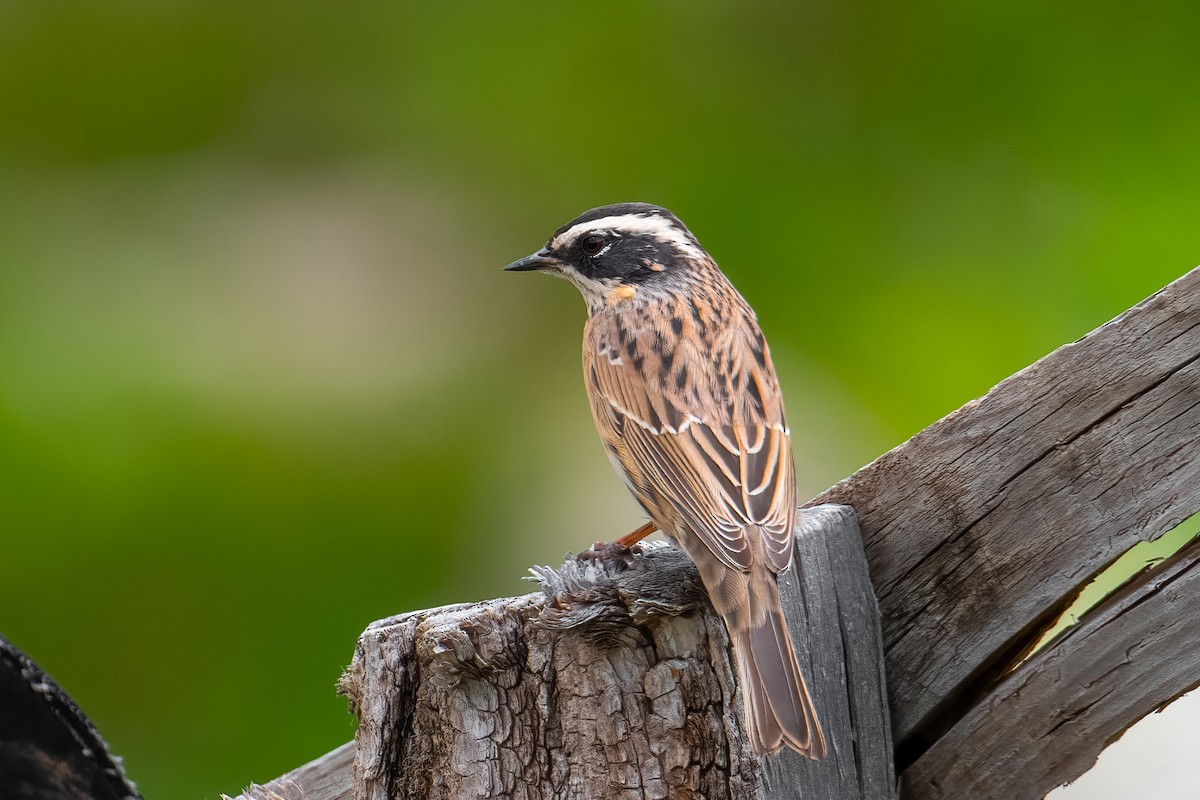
{"x":687,"y":404}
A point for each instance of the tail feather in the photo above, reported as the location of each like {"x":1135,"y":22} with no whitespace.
{"x":762,"y":728}
{"x":779,"y":710}
{"x":783,"y":687}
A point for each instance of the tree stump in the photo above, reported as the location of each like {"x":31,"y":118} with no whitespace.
{"x":615,"y":681}
{"x":979,"y":531}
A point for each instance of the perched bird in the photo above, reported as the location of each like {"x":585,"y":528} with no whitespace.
{"x":686,"y":401}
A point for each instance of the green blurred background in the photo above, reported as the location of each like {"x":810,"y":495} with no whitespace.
{"x":262,"y":380}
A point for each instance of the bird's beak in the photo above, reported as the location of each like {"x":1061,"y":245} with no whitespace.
{"x":539,"y":260}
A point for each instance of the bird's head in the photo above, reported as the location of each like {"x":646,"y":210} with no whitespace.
{"x":616,"y":253}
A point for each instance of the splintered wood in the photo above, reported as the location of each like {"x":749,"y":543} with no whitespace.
{"x":615,"y":682}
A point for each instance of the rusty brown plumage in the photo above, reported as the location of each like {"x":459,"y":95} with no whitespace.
{"x":687,"y":404}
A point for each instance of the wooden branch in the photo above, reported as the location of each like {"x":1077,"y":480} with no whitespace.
{"x":983,"y":526}
{"x":978,"y":532}
{"x":329,"y":777}
{"x":1046,"y":723}
{"x":615,"y":682}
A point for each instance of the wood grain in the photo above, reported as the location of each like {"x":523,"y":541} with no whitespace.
{"x":1045,"y":724}
{"x":615,"y":682}
{"x":983,"y":525}
{"x":330,"y":777}
{"x":978,"y":531}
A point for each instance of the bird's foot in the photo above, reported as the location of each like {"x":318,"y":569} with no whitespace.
{"x":610,"y":551}
{"x":620,"y":548}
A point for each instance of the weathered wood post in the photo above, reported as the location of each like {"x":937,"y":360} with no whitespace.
{"x":614,"y":681}
{"x":978,"y":532}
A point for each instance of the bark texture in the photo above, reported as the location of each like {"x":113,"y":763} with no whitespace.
{"x":615,"y":682}
{"x":1045,"y":724}
{"x":983,"y":527}
{"x":978,"y":531}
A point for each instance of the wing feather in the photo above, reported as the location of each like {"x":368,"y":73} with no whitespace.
{"x":698,"y":428}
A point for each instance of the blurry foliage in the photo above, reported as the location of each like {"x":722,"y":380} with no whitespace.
{"x":262,"y":382}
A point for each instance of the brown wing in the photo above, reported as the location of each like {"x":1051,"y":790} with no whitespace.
{"x":694,"y":419}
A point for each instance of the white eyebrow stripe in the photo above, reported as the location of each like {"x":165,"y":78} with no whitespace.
{"x":661,"y":229}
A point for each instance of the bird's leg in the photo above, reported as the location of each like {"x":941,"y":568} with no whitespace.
{"x":630,"y":539}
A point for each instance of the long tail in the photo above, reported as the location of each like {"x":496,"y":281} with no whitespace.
{"x":779,"y":711}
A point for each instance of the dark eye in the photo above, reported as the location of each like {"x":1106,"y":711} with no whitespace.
{"x":593,"y":244}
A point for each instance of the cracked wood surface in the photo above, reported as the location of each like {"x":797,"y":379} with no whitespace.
{"x":1046,"y":723}
{"x":982,"y":527}
{"x":615,"y":682}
